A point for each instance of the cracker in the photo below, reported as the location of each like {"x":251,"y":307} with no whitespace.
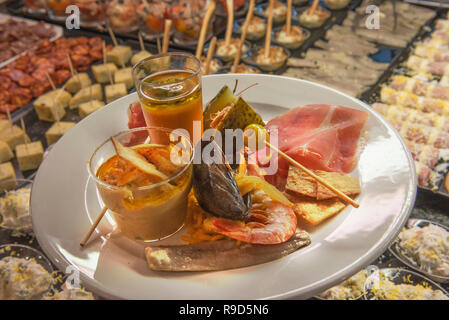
{"x":316,"y":211}
{"x":348,"y":185}
{"x":298,"y":182}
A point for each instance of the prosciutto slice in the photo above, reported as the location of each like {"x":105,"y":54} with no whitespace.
{"x":319,"y":136}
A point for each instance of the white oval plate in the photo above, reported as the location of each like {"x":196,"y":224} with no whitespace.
{"x":64,"y":203}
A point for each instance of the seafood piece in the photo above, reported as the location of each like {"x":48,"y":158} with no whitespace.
{"x":315,"y":19}
{"x":122,"y":15}
{"x":228,"y":52}
{"x":270,"y":222}
{"x":275,"y":59}
{"x":336,"y":4}
{"x":292,"y":40}
{"x":220,"y":255}
{"x":279,"y":12}
{"x":216,"y":189}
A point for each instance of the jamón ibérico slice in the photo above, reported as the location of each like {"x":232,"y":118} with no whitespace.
{"x":319,"y":136}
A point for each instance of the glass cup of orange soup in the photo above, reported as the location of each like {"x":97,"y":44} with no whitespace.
{"x":145,"y":207}
{"x":169,"y":88}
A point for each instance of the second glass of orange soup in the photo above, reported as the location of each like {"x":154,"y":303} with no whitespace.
{"x":169,"y":88}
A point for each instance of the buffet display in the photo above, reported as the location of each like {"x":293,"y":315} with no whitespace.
{"x":55,"y":81}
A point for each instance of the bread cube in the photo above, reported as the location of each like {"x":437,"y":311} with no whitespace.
{"x":29,"y":156}
{"x":5,"y":152}
{"x":124,"y":76}
{"x":77,"y":82}
{"x":13,"y":136}
{"x":115,"y":91}
{"x":139,"y":56}
{"x":93,"y":92}
{"x":4,"y":124}
{"x":57,"y":130}
{"x":87,"y":108}
{"x":101,"y":72}
{"x":119,"y":55}
{"x":50,"y":106}
{"x":7,"y":177}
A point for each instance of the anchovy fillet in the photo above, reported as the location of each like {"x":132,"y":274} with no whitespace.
{"x":220,"y":255}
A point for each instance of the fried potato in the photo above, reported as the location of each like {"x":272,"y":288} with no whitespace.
{"x":316,"y":211}
{"x":299,"y":183}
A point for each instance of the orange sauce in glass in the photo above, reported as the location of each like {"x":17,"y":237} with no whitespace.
{"x":176,"y":105}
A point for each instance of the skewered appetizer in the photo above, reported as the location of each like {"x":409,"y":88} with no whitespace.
{"x":312,"y":20}
{"x":91,"y":12}
{"x":336,"y":4}
{"x":124,"y":75}
{"x":228,"y":52}
{"x":51,"y":106}
{"x":275,"y":59}
{"x":104,"y":72}
{"x":139,"y":56}
{"x":121,"y":15}
{"x":152,"y":15}
{"x":243,"y":68}
{"x":89,"y":107}
{"x":26,"y":77}
{"x":13,"y":136}
{"x":256,"y":29}
{"x":15,"y":210}
{"x":115,"y":91}
{"x":293,"y":39}
{"x":93,"y":92}
{"x":5,"y":152}
{"x":279,"y":12}
{"x":77,"y":82}
{"x":120,"y":55}
{"x":187,"y":16}
{"x":214,"y":65}
{"x":29,"y":155}
{"x":57,"y":130}
{"x":7,"y":176}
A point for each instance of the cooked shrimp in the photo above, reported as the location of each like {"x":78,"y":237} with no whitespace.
{"x":270,"y":222}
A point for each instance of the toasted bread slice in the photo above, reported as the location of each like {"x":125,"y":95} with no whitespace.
{"x":316,"y":211}
{"x":299,"y":183}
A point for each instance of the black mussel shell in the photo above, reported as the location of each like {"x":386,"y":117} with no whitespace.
{"x":216,"y":190}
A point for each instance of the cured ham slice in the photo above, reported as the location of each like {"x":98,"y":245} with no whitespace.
{"x":319,"y":136}
{"x":135,"y":116}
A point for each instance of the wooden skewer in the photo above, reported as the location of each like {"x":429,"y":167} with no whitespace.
{"x":24,"y":133}
{"x":313,"y":7}
{"x":288,"y":24}
{"x":314,"y":176}
{"x":8,"y":114}
{"x":207,"y":16}
{"x":72,"y":70}
{"x":158,"y":42}
{"x":142,"y":45}
{"x":210,"y":54}
{"x":245,"y":26}
{"x":269,"y":26}
{"x":166,"y":41}
{"x":93,"y":227}
{"x":51,"y":81}
{"x":230,"y":8}
{"x":111,"y":33}
{"x":104,"y":52}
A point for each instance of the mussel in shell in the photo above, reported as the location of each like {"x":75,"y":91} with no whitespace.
{"x":215,"y":188}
